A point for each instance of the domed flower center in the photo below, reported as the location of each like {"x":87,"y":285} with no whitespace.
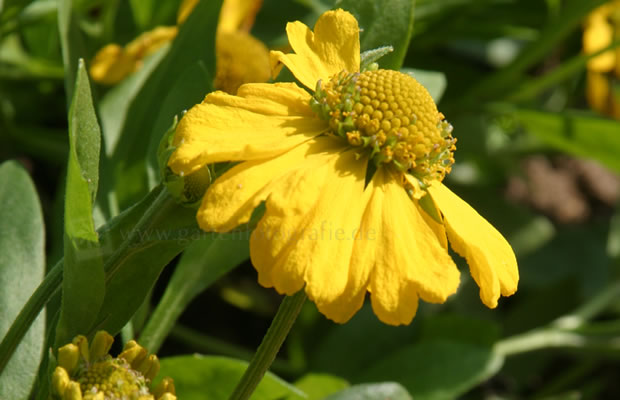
{"x":393,"y":116}
{"x":114,"y":378}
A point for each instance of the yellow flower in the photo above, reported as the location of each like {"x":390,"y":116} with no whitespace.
{"x":240,"y":57}
{"x":90,"y":373}
{"x":601,"y":28}
{"x":351,"y":178}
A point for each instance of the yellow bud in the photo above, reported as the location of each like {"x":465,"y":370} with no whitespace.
{"x":82,"y":344}
{"x":149,"y":367}
{"x":60,"y":380}
{"x":73,"y":391}
{"x":165,"y":386}
{"x":167,"y":396}
{"x":97,"y":396}
{"x":133,"y":353}
{"x":101,"y":344}
{"x":68,"y":357}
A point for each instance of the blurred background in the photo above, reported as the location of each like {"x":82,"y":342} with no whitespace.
{"x":532,"y":89}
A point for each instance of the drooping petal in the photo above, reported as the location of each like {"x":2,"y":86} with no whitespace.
{"x":237,"y":15}
{"x":230,"y":200}
{"x":334,"y":46}
{"x":407,"y":259}
{"x":307,"y":233}
{"x":598,"y":89}
{"x":597,"y":35}
{"x":491,"y":260}
{"x":262,"y":121}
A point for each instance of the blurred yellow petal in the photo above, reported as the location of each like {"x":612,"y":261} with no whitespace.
{"x":229,"y":202}
{"x":598,"y":35}
{"x":111,"y":64}
{"x":491,"y":260}
{"x":241,"y":58}
{"x":597,"y":91}
{"x":151,"y":41}
{"x":185,"y":9}
{"x":332,"y":47}
{"x":262,"y":121}
{"x":238,"y":15}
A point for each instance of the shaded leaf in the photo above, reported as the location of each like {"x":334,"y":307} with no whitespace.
{"x":437,"y":369}
{"x":199,"y":377}
{"x":22,"y":267}
{"x":373,"y":391}
{"x":318,"y":386}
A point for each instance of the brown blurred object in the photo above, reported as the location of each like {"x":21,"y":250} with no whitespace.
{"x":564,"y":188}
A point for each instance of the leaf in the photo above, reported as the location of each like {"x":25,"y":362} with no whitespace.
{"x":434,"y":81}
{"x":202,"y":263}
{"x":373,"y":391}
{"x":199,"y":377}
{"x":437,"y":369}
{"x":131,"y":275}
{"x":318,"y":386}
{"x":576,"y":134}
{"x":22,"y":267}
{"x":83,"y":283}
{"x":383,"y":23}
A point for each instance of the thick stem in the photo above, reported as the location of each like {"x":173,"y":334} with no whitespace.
{"x":269,"y":347}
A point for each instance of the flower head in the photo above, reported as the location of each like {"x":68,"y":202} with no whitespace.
{"x":240,"y":57}
{"x":89,"y":372}
{"x":601,"y":28}
{"x":351,"y":178}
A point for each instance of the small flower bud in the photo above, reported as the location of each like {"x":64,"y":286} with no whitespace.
{"x":101,"y":344}
{"x":68,"y":357}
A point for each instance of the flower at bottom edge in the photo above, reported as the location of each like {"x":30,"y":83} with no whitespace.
{"x":89,"y":373}
{"x":351,"y":180}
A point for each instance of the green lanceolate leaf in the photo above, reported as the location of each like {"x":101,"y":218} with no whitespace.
{"x":372,"y":391}
{"x":383,"y":23}
{"x":137,"y":245}
{"x":205,"y":261}
{"x":577,"y":134}
{"x":209,"y":377}
{"x":22,"y":267}
{"x":84,"y":279}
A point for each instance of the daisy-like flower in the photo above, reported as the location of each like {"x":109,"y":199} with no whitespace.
{"x":89,"y":373}
{"x":350,"y":174}
{"x":240,"y":57}
{"x":601,"y":28}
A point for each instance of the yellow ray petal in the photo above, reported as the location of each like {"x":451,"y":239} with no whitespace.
{"x":185,"y":9}
{"x":308,"y":231}
{"x":241,"y":58}
{"x":237,"y":15}
{"x":598,"y":91}
{"x":491,"y":260}
{"x":409,"y":259}
{"x":262,"y":121}
{"x":111,"y":64}
{"x":597,"y":35}
{"x":230,"y":200}
{"x":332,"y":47}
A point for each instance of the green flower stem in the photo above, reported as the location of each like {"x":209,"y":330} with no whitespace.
{"x":161,"y":205}
{"x":269,"y":347}
{"x":564,"y":332}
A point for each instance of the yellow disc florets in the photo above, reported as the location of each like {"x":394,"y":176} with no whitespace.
{"x":89,"y":373}
{"x":392,"y":115}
